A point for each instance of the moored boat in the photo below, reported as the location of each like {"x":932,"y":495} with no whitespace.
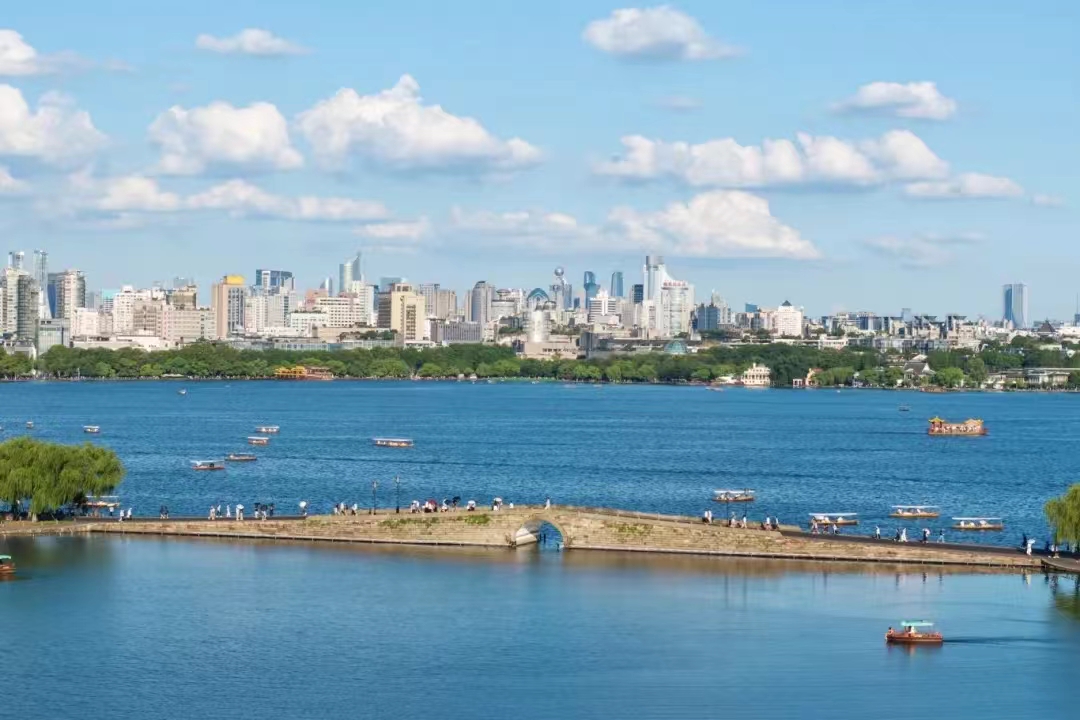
{"x":240,"y":457}
{"x":7,"y":565}
{"x":835,"y":518}
{"x":914,"y":632}
{"x":733,"y":496}
{"x":258,"y":440}
{"x":393,"y":442}
{"x":978,"y":523}
{"x":207,"y":465}
{"x":91,"y":429}
{"x":968,"y":428}
{"x":911,"y":512}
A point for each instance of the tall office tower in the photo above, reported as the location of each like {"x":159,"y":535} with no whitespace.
{"x":180,"y":281}
{"x":385,"y":283}
{"x":560,"y":291}
{"x":227,"y":302}
{"x":18,"y":301}
{"x":401,"y":309}
{"x":616,"y":289}
{"x":676,"y":305}
{"x":67,"y":291}
{"x":41,"y":276}
{"x":430,"y":291}
{"x":655,"y":275}
{"x":482,"y":295}
{"x":271,"y":280}
{"x":15,"y":260}
{"x":637,"y":293}
{"x":349,"y":272}
{"x":590,"y":286}
{"x":328,"y":285}
{"x":446,"y":305}
{"x":1016,"y":305}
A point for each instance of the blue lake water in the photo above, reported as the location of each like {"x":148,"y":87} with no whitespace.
{"x":116,"y":628}
{"x":652,"y":448}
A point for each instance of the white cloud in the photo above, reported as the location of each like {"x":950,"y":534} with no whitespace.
{"x":718,"y":224}
{"x":965,"y":185}
{"x":922,"y":251}
{"x":395,"y":129}
{"x":241,"y":198}
{"x":56,"y":132}
{"x":1051,"y":201}
{"x":408,"y":230}
{"x":713,"y":225}
{"x":17,"y":57}
{"x":9,"y":184}
{"x":661,"y":33}
{"x":908,"y":100}
{"x":898,"y":154}
{"x":255,"y":137}
{"x":679,"y":103}
{"x":250,"y":41}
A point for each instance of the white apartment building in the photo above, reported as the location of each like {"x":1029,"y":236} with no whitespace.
{"x":604,"y":309}
{"x":303,"y":322}
{"x":186,"y":325}
{"x":676,"y":306}
{"x":787,"y":321}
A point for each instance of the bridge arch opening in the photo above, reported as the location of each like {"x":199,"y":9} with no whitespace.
{"x":540,"y":534}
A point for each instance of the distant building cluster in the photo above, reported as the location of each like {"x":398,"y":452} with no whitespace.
{"x":40,"y":309}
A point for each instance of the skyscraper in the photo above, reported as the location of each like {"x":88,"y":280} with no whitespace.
{"x":637,"y":293}
{"x":67,"y":291}
{"x":483,"y":294}
{"x":616,"y":289}
{"x":590,"y":286}
{"x":655,"y":274}
{"x":41,"y":276}
{"x":1016,"y":305}
{"x":227,"y":301}
{"x":349,"y":272}
{"x":272,"y":280}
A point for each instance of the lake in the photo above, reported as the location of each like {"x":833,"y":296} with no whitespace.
{"x":107,"y":628}
{"x":651,"y":448}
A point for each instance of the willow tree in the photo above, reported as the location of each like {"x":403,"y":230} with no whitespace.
{"x":50,"y":476}
{"x":1063,"y":513}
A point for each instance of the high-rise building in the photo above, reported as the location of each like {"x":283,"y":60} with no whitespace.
{"x":273,"y":279}
{"x":788,"y":320}
{"x":590,"y":286}
{"x":676,"y":305}
{"x":327,"y":286}
{"x":1016,"y":305}
{"x":655,"y":274}
{"x":184,"y":297}
{"x":401,"y":309}
{"x":349,"y":272}
{"x":483,"y":294}
{"x":385,"y":283}
{"x":227,"y":301}
{"x":430,"y":291}
{"x":41,"y":276}
{"x":446,"y":305}
{"x":637,"y":293}
{"x":67,"y":291}
{"x":19,"y":303}
{"x":616,"y":289}
{"x":562,"y":292}
{"x":603,"y":309}
{"x":179,"y":281}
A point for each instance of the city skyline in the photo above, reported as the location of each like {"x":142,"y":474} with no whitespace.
{"x":745,"y":146}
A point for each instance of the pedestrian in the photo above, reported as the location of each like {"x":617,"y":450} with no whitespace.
{"x":941,"y":536}
{"x":213,"y":513}
{"x":239,"y":512}
{"x":926,"y":535}
{"x":1030,"y":544}
{"x":303,"y":508}
{"x":228,"y":511}
{"x":129,"y":513}
{"x":877,"y":532}
{"x":547,"y":504}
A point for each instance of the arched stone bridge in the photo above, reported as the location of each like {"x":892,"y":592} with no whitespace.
{"x":581,"y":529}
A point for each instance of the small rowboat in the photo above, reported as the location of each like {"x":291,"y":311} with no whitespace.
{"x":914,"y":632}
{"x":29,"y":424}
{"x":978,"y":523}
{"x":835,"y":518}
{"x":7,"y":565}
{"x":91,"y":429}
{"x":733,"y":496}
{"x":258,"y":440}
{"x":207,"y":465}
{"x":393,"y":442}
{"x":181,"y":391}
{"x":268,"y":429}
{"x":913,"y":512}
{"x":240,"y":457}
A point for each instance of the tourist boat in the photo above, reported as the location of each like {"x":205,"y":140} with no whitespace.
{"x":91,"y":429}
{"x":978,"y":523}
{"x":733,"y":496}
{"x":392,"y":442}
{"x":835,"y":518}
{"x":207,"y":465}
{"x":268,"y":429}
{"x":94,"y":505}
{"x":969,"y":427}
{"x":181,"y":391}
{"x":240,"y":457}
{"x":258,"y":440}
{"x":29,"y":424}
{"x":7,"y":565}
{"x":914,"y":632}
{"x":910,"y":512}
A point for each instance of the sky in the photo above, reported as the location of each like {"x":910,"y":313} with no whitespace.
{"x":839,"y":154}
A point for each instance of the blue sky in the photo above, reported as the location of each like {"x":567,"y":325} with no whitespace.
{"x":843,"y":155}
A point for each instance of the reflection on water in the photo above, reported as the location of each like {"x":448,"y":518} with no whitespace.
{"x":1066,"y":593}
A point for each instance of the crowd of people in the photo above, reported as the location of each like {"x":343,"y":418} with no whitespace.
{"x":769,"y":523}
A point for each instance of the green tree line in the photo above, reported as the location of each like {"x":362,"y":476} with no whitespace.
{"x":50,"y":477}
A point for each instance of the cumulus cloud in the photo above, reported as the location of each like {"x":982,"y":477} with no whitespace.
{"x":920,"y":100}
{"x":718,"y":224}
{"x":1052,"y":201}
{"x":56,"y":132}
{"x":132,"y":194}
{"x":254,"y":137}
{"x":898,"y":154}
{"x":396,"y":130}
{"x":250,"y":41}
{"x":965,"y":185}
{"x":9,"y":184}
{"x":408,"y":230}
{"x":658,"y":33}
{"x":922,"y":251}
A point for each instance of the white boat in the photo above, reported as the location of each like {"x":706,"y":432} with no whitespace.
{"x":29,"y":424}
{"x":393,"y":442}
{"x":207,"y":465}
{"x":181,"y":391}
{"x":268,"y":429}
{"x":978,"y":523}
{"x":257,"y":440}
{"x":91,"y":429}
{"x":835,"y":518}
{"x":731,"y":496}
{"x":906,"y":512}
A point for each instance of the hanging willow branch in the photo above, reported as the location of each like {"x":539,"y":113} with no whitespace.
{"x":50,"y":476}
